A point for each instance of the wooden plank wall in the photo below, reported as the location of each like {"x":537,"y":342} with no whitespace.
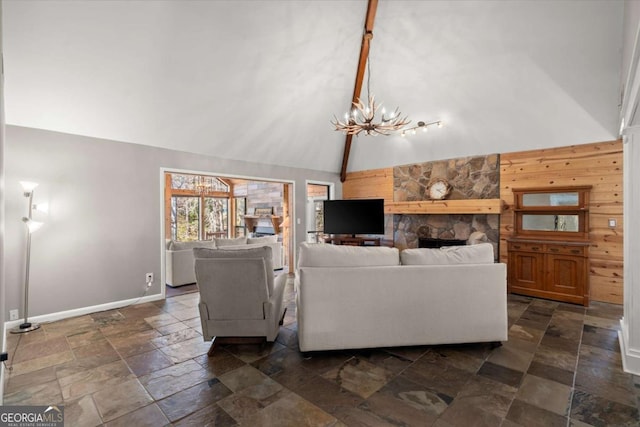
{"x":598,"y":165}
{"x":370,"y":184}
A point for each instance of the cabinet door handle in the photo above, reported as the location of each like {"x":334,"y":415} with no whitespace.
{"x":516,"y":246}
{"x":575,"y":251}
{"x":554,"y":249}
{"x":535,"y":248}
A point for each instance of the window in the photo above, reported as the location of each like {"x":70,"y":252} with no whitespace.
{"x":241,"y":210}
{"x":199,"y":207}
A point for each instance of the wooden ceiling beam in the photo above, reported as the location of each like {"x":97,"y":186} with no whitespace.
{"x":367,"y":35}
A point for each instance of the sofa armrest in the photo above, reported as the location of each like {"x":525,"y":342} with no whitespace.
{"x":180,"y":267}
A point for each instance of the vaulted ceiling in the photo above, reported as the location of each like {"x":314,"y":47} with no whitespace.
{"x":261,"y":80}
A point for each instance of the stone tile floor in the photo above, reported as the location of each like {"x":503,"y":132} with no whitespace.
{"x":147,"y":365}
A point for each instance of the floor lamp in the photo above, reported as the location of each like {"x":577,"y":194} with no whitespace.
{"x":32,"y":226}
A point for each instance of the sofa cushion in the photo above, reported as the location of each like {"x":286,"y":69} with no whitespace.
{"x":263,"y":239}
{"x":264,"y":252}
{"x":181,"y":246}
{"x":231,"y":242}
{"x":325,"y":255}
{"x":481,"y":253}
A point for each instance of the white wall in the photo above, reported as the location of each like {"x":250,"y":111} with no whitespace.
{"x":103,"y":229}
{"x":2,"y":275}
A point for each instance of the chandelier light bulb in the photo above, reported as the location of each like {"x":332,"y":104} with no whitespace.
{"x":425,"y":129}
{"x":413,"y":131}
{"x":440,"y":124}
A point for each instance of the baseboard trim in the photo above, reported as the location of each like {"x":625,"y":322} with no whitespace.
{"x":52,"y":317}
{"x":630,"y":357}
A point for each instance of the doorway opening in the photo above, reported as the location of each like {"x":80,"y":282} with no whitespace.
{"x":317,"y":193}
{"x":201,"y":207}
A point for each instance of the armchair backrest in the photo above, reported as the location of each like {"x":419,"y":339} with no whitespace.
{"x":265,"y":253}
{"x":232,"y":288}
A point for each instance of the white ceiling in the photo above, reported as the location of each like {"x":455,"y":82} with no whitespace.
{"x":261,"y":80}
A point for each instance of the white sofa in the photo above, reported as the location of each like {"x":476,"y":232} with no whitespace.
{"x":364,"y":297}
{"x":180,"y":260}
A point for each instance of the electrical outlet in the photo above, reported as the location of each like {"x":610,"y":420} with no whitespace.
{"x":149,"y":277}
{"x":4,"y":357}
{"x":14,"y":314}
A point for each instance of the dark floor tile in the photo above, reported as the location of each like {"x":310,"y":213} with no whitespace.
{"x":211,"y":415}
{"x":146,"y":416}
{"x":18,"y":382}
{"x":568,"y":329}
{"x":453,"y":357}
{"x":599,"y":411}
{"x":327,"y":395}
{"x":440,"y":378}
{"x":604,"y":310}
{"x":405,"y":403}
{"x":193,"y":399}
{"x":410,"y":353}
{"x":361,"y":417}
{"x":546,"y":394}
{"x":559,"y":343}
{"x":574,"y":308}
{"x":487,"y":395}
{"x":531,"y":416}
{"x":278,"y":361}
{"x":600,"y":337}
{"x":501,"y":374}
{"x":554,"y":373}
{"x":461,"y":413}
{"x":145,"y":363}
{"x":594,"y":359}
{"x":323,"y":361}
{"x":220,"y":362}
{"x":613,"y":385}
{"x":537,"y":322}
{"x":555,"y":357}
{"x":288,"y":338}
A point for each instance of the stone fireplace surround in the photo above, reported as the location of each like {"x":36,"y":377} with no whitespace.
{"x":470,"y":177}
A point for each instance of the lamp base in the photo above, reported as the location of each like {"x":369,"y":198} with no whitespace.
{"x":25,"y":327}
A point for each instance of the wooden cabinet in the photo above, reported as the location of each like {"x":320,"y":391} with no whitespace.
{"x":548,"y":254}
{"x":554,"y":270}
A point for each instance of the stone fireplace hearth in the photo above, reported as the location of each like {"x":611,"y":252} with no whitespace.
{"x":407,"y":229}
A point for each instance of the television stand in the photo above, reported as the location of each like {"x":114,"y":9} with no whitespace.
{"x":353,"y":241}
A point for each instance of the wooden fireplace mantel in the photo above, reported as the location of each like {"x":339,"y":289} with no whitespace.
{"x":469,"y":206}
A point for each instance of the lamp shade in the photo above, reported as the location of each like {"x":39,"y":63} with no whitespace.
{"x":32,"y":225}
{"x":28,"y":186}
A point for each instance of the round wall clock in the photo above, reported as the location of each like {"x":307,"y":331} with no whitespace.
{"x":438,"y":189}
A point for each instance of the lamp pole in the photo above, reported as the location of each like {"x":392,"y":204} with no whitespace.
{"x":27,"y":326}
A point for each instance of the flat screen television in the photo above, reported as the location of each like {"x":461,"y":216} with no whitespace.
{"x":357,"y":216}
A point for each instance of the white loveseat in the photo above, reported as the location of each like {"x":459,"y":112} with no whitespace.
{"x":180,"y":260}
{"x":364,"y":297}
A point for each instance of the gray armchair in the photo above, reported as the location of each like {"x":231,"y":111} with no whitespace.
{"x":239,"y":296}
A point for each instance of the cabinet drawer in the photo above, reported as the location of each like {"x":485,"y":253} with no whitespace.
{"x":524,"y":246}
{"x":567,"y":250}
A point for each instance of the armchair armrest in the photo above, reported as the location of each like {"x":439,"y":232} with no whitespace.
{"x":273,"y":308}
